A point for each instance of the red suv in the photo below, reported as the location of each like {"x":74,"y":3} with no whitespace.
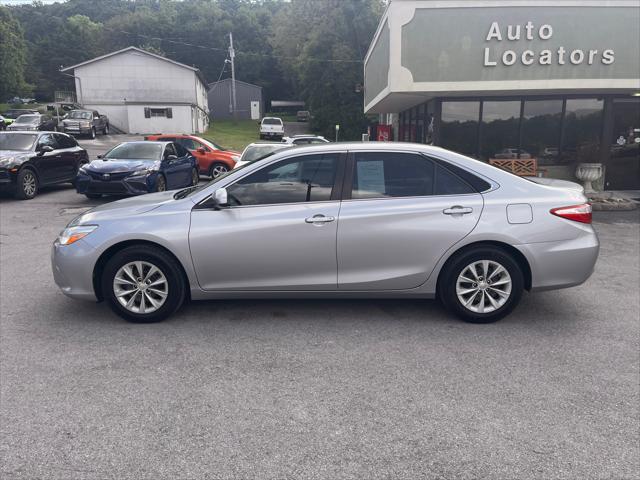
{"x":213,"y":160}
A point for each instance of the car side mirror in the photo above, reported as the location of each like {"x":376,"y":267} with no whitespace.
{"x":220,"y":199}
{"x":45,"y":149}
{"x":100,"y":156}
{"x":201,"y":150}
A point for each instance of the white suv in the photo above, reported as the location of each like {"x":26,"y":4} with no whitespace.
{"x":271,"y":127}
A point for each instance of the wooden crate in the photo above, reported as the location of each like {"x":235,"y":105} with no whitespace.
{"x":523,"y":167}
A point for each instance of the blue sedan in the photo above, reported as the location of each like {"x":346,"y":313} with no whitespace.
{"x":135,"y":168}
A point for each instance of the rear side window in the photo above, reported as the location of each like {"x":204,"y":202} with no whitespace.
{"x":390,"y":174}
{"x":449,"y":184}
{"x":478,"y":184}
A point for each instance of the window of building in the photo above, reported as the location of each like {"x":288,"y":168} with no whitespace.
{"x":379,"y":175}
{"x":459,"y":127}
{"x":158,"y":112}
{"x":540,"y":132}
{"x":309,"y":178}
{"x":582,"y":131}
{"x":500,"y":127}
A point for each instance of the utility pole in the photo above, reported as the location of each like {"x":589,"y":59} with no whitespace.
{"x":232,"y":55}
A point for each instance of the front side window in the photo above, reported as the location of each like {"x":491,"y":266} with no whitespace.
{"x":390,"y":174}
{"x":309,"y":178}
{"x":180,"y":150}
{"x":65,"y":141}
{"x":188,"y":143}
{"x":47,"y":140}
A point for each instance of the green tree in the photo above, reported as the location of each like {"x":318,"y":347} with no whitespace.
{"x":13,"y":53}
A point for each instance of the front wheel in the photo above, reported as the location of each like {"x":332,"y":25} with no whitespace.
{"x":143,"y":284}
{"x":26,"y":184}
{"x":106,"y":129}
{"x":92,"y":134}
{"x":482,"y":285}
{"x":218,"y":169}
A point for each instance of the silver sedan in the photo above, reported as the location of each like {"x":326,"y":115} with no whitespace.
{"x":365,"y":220}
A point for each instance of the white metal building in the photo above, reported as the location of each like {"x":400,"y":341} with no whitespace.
{"x":142,"y":92}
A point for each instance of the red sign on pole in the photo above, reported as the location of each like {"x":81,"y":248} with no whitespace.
{"x":384,"y":133}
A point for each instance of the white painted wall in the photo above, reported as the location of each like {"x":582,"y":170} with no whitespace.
{"x":180,"y":123}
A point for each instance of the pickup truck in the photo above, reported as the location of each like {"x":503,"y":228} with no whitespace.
{"x":85,"y":122}
{"x":271,"y":127}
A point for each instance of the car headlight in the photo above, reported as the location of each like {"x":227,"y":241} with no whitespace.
{"x":5,"y":162}
{"x":85,"y":124}
{"x":141,"y":172}
{"x":72,"y":234}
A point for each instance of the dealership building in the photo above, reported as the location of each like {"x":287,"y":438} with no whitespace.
{"x":556,"y":81}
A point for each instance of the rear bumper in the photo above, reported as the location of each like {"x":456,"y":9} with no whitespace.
{"x":561,"y":264}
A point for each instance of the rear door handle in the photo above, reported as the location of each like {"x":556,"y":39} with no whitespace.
{"x":457,"y":210}
{"x":319,"y":219}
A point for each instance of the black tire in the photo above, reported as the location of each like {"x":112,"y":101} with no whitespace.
{"x":92,"y":134}
{"x":105,"y":130}
{"x":195,"y":177}
{"x":161,"y":184}
{"x":217,"y":165}
{"x":27,"y":184}
{"x":168,"y":266}
{"x":449,"y":278}
{"x":93,"y":196}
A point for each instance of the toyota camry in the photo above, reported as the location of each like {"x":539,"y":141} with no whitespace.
{"x":334,"y":221}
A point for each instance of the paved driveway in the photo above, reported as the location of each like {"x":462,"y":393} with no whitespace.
{"x":314,"y":389}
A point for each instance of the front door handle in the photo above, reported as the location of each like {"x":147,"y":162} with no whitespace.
{"x":319,"y":219}
{"x":457,"y":210}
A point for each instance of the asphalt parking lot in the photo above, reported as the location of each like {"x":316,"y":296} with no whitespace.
{"x":315,"y":389}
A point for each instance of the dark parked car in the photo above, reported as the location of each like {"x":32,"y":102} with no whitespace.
{"x":29,"y":160}
{"x":134,"y":168}
{"x":33,"y":122}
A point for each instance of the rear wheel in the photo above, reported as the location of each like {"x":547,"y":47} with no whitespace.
{"x":143,"y":284}
{"x":482,"y":285}
{"x":218,"y":169}
{"x":195,"y":177}
{"x":161,"y":184}
{"x":26,"y":184}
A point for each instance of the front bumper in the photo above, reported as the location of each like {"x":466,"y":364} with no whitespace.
{"x":7,"y":180}
{"x":72,"y":267}
{"x":77,"y":131}
{"x":561,"y":264}
{"x":117,"y":184}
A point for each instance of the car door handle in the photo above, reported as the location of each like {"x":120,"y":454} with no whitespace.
{"x":457,"y":210}
{"x":319,"y":219}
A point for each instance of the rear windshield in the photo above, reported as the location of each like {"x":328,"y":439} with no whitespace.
{"x":136,"y":151}
{"x":80,"y":115}
{"x":27,"y":119}
{"x":16,"y":141}
{"x":256,"y":152}
{"x":272,"y":121}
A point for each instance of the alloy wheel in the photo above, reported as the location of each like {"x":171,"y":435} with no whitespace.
{"x":483,"y":286}
{"x":218,"y":170}
{"x":29,"y":184}
{"x":140,"y":287}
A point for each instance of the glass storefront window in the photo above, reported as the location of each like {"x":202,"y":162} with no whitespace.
{"x":582,"y":130}
{"x":541,"y":130}
{"x":623,"y":167}
{"x":500,"y":127}
{"x":459,"y":127}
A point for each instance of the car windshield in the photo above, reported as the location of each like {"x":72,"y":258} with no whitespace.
{"x":212,"y":145}
{"x":80,"y":115}
{"x":272,"y":121}
{"x":136,"y":151}
{"x":27,"y":119}
{"x":16,"y":141}
{"x":257,"y":152}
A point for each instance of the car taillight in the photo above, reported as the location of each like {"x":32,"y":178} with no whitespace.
{"x":577,"y":213}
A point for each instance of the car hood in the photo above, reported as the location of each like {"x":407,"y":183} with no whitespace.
{"x":125,"y":207}
{"x":118,"y":166}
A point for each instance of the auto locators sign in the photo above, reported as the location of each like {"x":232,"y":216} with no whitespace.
{"x":560,"y":55}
